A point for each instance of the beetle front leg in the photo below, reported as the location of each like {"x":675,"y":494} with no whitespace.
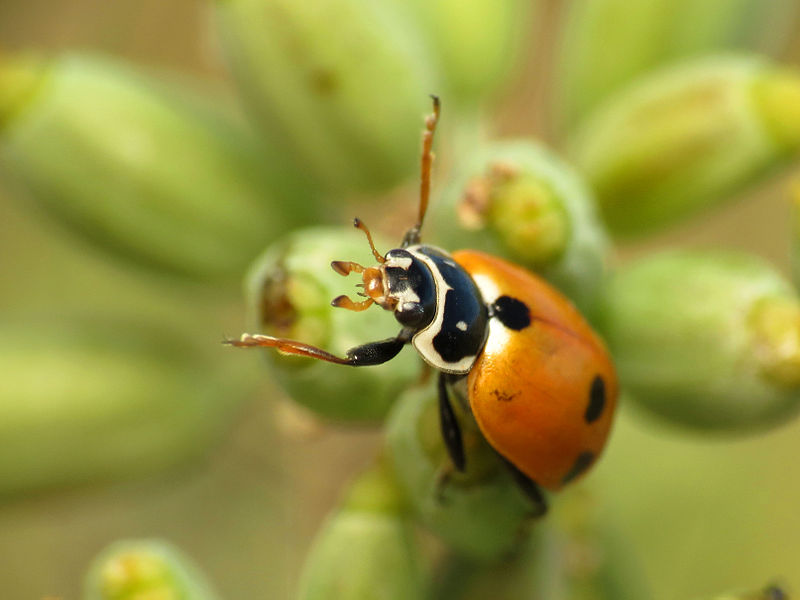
{"x":373,"y":353}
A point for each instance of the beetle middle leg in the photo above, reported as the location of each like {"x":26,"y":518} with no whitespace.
{"x":451,"y":430}
{"x":528,"y":487}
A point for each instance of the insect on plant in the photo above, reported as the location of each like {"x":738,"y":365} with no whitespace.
{"x":538,"y":381}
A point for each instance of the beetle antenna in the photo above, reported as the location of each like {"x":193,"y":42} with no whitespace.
{"x":412,"y":235}
{"x":359,"y":224}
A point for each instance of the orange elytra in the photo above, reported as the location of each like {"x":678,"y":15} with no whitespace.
{"x":544,"y":389}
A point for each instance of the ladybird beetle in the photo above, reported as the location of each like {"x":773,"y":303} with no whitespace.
{"x":539,"y":382}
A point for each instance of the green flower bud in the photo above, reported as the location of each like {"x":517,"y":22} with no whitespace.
{"x":594,"y":560}
{"x":91,"y":400}
{"x":517,"y":199}
{"x":707,"y":339}
{"x":145,"y":570}
{"x":480,"y":514}
{"x":529,"y":573}
{"x":576,"y":553}
{"x":141,"y":169}
{"x":651,"y":33}
{"x":687,"y":137}
{"x":366,"y":549}
{"x":348,"y":106}
{"x":289,"y":291}
{"x":477,"y":43}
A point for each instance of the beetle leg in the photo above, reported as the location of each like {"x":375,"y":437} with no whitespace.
{"x":451,"y":431}
{"x":373,"y":353}
{"x":376,"y":353}
{"x":528,"y":487}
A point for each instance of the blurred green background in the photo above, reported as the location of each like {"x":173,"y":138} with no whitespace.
{"x":704,"y":512}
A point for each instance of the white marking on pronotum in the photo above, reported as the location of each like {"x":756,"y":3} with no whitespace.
{"x":403,"y":262}
{"x":462,"y":325}
{"x":408,"y":295}
{"x":423,"y":340}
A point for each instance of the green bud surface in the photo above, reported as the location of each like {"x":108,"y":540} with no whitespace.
{"x":709,"y":339}
{"x":367,"y":548}
{"x":348,"y":107}
{"x":289,"y":291}
{"x":477,"y":44}
{"x":518,"y":200}
{"x":84,"y":401}
{"x":648,"y":34}
{"x":480,"y":514}
{"x":20,"y":79}
{"x":576,"y":553}
{"x":145,"y":570}
{"x":684,"y":138}
{"x":776,"y":93}
{"x":145,"y":170}
{"x":794,"y":196}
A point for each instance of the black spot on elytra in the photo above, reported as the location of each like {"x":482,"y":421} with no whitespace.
{"x":583,"y":462}
{"x":503,"y":396}
{"x":597,"y":400}
{"x":512,"y":313}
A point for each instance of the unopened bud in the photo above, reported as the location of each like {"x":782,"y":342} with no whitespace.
{"x":144,"y":169}
{"x":289,"y":291}
{"x":145,"y":569}
{"x":687,"y":137}
{"x":707,"y":339}
{"x":517,"y":199}
{"x":347,"y":106}
{"x":479,"y":513}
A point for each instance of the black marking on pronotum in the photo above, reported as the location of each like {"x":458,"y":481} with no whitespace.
{"x":512,"y":313}
{"x":463,"y":330}
{"x":583,"y":462}
{"x":597,"y":400}
{"x":453,"y":343}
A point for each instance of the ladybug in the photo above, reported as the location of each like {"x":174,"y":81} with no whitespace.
{"x":539,"y":382}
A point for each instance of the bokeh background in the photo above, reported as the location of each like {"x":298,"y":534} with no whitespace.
{"x":704,"y":513}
